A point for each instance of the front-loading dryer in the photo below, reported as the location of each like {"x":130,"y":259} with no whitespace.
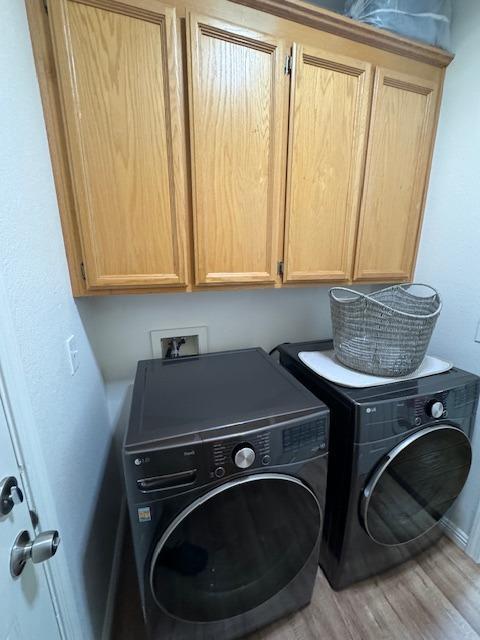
{"x":225,"y":463}
{"x":399,"y":457}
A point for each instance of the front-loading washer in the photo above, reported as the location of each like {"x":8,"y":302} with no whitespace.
{"x":399,"y":457}
{"x":225,"y":463}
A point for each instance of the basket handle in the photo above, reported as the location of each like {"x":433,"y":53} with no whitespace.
{"x":416,"y":284}
{"x":366,"y":296}
{"x":358,"y":294}
{"x":370,"y":297}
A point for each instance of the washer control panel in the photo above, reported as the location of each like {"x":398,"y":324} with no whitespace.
{"x":216,"y":455}
{"x":234,"y":454}
{"x":296,"y":441}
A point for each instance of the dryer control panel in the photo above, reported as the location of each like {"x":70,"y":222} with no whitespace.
{"x":396,"y":416}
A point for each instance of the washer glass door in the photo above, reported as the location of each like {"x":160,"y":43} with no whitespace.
{"x":235,"y":547}
{"x":415,"y":484}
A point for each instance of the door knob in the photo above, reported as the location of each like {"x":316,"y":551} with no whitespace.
{"x":10,"y":495}
{"x":42,"y":548}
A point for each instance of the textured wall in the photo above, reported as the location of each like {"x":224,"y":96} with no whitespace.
{"x":119,"y":327}
{"x":70,"y":412}
{"x":449,"y":256}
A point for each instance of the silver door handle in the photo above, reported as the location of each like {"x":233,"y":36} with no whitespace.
{"x":42,"y":548}
{"x":10,"y":495}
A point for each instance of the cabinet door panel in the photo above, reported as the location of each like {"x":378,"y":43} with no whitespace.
{"x":237,"y":116}
{"x":328,"y":121}
{"x":118,"y":72}
{"x":400,"y":140}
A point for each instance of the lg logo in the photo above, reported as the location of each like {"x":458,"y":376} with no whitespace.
{"x":139,"y":461}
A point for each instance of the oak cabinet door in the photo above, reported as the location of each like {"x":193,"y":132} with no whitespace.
{"x":120,"y":86}
{"x":327,"y":132}
{"x":396,"y":175}
{"x":238,"y":140}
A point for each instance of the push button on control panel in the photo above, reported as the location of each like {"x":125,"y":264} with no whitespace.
{"x":266,"y":460}
{"x":220,"y":472}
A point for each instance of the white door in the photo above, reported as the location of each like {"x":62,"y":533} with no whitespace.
{"x":26,"y":608}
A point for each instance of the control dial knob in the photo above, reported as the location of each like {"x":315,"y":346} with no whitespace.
{"x":435,"y":409}
{"x":244,"y":456}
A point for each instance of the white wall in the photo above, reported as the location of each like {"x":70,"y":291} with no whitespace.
{"x":70,"y":412}
{"x":449,"y":256}
{"x":119,"y":327}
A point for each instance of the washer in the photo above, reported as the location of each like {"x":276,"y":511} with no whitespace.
{"x":399,"y":457}
{"x":225,"y":463}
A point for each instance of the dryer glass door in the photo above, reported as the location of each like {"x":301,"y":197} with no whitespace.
{"x":415,"y":484}
{"x":235,"y":547}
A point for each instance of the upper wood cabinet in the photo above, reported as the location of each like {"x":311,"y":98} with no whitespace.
{"x":120,"y":81}
{"x":205,"y":143}
{"x":329,"y":107}
{"x":399,"y":148}
{"x":238,"y":108}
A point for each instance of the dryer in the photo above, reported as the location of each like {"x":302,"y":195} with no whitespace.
{"x":225,"y":464}
{"x":399,"y":457}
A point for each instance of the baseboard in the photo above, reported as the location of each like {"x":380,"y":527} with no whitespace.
{"x":459,"y":537}
{"x":115,"y":574}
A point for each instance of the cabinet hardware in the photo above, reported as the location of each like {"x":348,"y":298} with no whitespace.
{"x":280,"y":267}
{"x":82,"y":270}
{"x":288,"y":65}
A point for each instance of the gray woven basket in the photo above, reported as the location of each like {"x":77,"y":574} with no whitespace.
{"x":385,"y":333}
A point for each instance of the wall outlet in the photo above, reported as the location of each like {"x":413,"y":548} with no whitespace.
{"x":195,"y":340}
{"x":72,"y":353}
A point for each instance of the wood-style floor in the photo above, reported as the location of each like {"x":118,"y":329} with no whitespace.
{"x":436,"y":597}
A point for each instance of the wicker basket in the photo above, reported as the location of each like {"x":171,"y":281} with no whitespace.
{"x":385,"y":333}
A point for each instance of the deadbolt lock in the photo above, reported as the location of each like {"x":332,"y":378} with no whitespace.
{"x":10,"y":495}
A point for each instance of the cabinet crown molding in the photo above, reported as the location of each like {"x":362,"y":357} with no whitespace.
{"x":319,"y":18}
